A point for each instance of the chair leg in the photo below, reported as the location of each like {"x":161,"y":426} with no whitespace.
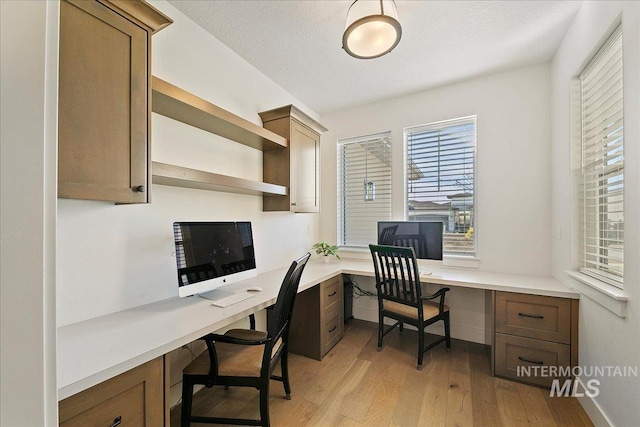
{"x":420,"y":348}
{"x":284,"y":367}
{"x":401,"y":327}
{"x":380,"y":332}
{"x":264,"y":404}
{"x":447,"y":330}
{"x":187,"y":400}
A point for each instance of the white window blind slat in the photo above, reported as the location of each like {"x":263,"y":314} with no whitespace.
{"x":603,"y":163}
{"x":444,"y":155}
{"x":364,"y":188}
{"x":597,"y":81}
{"x":608,"y":98}
{"x":605,"y":125}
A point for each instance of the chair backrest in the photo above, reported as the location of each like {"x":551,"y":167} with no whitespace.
{"x":417,"y":241}
{"x":397,"y":275}
{"x":281,"y":315}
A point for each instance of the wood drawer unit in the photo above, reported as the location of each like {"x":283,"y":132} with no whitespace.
{"x":533,"y":330}
{"x":512,"y":352}
{"x":534,"y":316}
{"x":317,"y":323}
{"x":135,"y":398}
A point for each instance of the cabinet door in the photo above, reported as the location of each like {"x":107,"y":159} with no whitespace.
{"x":103,"y":105}
{"x":134,"y":398}
{"x":305,"y":167}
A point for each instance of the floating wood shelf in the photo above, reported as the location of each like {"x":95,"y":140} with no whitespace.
{"x":178,"y":176}
{"x":178,"y":104}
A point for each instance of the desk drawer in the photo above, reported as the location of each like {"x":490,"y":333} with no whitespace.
{"x":534,"y":316}
{"x":317,"y":323}
{"x":330,"y":293}
{"x":332,"y":329}
{"x":512,"y":352}
{"x":127,"y":407}
{"x":135,"y":397}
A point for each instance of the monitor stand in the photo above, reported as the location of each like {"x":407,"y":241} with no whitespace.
{"x":215,"y":294}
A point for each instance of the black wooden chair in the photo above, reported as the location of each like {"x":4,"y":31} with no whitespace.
{"x":400,"y":296}
{"x":245,"y":357}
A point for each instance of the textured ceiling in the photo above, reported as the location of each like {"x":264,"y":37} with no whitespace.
{"x":298,"y":44}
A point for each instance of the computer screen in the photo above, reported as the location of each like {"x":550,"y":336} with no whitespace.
{"x":424,"y":237}
{"x":212,"y":254}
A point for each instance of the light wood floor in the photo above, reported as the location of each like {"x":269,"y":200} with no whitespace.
{"x":354,"y":385}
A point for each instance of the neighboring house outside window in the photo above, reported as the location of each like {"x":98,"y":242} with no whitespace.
{"x":602,"y":148}
{"x":440,"y":180}
{"x":364,"y":188}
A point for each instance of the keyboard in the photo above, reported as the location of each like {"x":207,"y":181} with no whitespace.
{"x":232,"y":299}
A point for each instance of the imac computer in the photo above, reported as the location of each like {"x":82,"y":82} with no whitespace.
{"x":212,"y":254}
{"x":424,"y":237}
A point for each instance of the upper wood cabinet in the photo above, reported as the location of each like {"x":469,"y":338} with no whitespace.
{"x":104,"y":99}
{"x":298,"y":165}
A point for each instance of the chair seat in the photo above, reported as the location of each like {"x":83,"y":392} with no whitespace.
{"x":234,"y":359}
{"x":429,"y":309}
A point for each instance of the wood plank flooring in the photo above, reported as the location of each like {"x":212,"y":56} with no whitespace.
{"x":355,"y":385}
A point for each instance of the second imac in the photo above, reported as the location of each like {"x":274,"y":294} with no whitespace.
{"x":424,"y":237}
{"x":212,"y":254}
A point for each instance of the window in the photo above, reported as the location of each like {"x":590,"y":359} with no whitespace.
{"x":440,"y":179}
{"x":603,"y":164}
{"x":364,"y":188}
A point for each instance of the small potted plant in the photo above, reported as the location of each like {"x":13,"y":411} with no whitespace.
{"x":326,"y":249}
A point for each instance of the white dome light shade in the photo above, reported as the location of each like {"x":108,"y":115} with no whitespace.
{"x":372,"y":29}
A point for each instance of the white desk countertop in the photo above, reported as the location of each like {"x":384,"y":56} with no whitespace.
{"x":95,"y":350}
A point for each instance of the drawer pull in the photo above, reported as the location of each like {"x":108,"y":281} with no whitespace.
{"x":332,"y":294}
{"x":535,"y":362}
{"x":533,"y":316}
{"x":333,"y":329}
{"x":117,"y":421}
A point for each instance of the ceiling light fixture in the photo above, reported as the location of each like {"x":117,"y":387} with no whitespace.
{"x":372,"y":29}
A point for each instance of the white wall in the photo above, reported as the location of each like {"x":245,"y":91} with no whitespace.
{"x":28,"y":195}
{"x":513,"y":172}
{"x":605,"y":338}
{"x":113,"y":257}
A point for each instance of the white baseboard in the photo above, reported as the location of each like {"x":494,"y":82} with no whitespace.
{"x":591,"y":407}
{"x":461,"y":332}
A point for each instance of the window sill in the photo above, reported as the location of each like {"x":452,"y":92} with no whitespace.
{"x":448,"y":261}
{"x":461,"y":261}
{"x":608,"y":296}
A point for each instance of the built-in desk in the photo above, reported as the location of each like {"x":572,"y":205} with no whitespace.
{"x":95,"y":350}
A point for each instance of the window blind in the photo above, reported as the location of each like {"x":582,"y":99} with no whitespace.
{"x":603,"y":163}
{"x":440,"y":179}
{"x":179,"y":243}
{"x":364,"y":188}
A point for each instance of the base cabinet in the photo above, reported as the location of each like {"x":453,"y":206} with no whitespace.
{"x":135,"y":398}
{"x":317,"y":323}
{"x":536,"y":337}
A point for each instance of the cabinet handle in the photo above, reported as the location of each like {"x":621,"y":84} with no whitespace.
{"x":535,"y":362}
{"x":117,"y":421}
{"x":294,"y":204}
{"x":333,"y":329}
{"x":332,"y":294}
{"x":140,"y":189}
{"x":533,"y":316}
